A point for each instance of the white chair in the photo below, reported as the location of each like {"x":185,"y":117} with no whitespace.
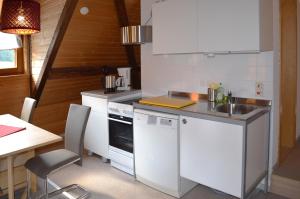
{"x":27,"y":110}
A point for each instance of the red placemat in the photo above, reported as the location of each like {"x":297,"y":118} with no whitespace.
{"x":7,"y":130}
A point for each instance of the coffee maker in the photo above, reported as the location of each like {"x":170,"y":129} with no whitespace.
{"x":123,"y":82}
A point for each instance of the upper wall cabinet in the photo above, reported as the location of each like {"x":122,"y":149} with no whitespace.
{"x":216,"y":26}
{"x":175,"y":26}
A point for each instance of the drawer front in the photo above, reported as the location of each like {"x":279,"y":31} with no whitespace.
{"x":121,"y":158}
{"x":97,"y":104}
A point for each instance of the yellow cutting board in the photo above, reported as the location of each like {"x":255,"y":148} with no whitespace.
{"x":167,"y":102}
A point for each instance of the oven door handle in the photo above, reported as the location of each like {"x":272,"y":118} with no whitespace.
{"x":121,"y":121}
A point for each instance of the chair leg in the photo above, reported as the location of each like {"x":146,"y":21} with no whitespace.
{"x":46,"y":188}
{"x":28,"y":181}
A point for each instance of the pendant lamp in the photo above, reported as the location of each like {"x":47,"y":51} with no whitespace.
{"x":138,"y":34}
{"x":20,"y":17}
{"x":135,"y":35}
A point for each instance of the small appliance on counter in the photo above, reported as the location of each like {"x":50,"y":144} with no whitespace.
{"x":117,"y":79}
{"x":109,"y":79}
{"x":124,"y":80}
{"x":212,"y":94}
{"x":110,"y":84}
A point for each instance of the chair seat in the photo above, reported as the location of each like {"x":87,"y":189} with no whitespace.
{"x":43,"y":164}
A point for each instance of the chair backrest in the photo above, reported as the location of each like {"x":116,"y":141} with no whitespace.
{"x":75,"y":127}
{"x":27,"y":109}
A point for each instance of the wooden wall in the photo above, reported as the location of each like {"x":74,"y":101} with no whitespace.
{"x":13,"y":90}
{"x":288,"y":77}
{"x":1,"y":2}
{"x":298,"y":72}
{"x":50,"y":13}
{"x":91,"y":40}
{"x":94,"y":39}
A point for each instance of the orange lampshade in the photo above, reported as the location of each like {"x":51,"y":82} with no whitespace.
{"x":20,"y":17}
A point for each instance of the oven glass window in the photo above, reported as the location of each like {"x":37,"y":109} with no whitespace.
{"x":121,"y":135}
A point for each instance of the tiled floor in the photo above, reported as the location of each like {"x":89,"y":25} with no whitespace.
{"x":106,"y":182}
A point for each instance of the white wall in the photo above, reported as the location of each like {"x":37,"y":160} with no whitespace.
{"x":193,"y":72}
{"x":298,"y":87}
{"x":275,"y":117}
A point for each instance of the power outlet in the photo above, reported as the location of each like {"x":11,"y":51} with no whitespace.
{"x":259,"y":89}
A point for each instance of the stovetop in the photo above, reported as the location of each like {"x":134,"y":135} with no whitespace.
{"x":130,"y":102}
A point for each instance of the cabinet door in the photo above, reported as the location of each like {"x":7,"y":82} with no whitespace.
{"x":211,"y":154}
{"x":97,"y":104}
{"x":96,"y":134}
{"x":231,"y":25}
{"x":175,"y":27}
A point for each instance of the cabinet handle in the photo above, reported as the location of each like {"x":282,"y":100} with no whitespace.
{"x":184,"y":121}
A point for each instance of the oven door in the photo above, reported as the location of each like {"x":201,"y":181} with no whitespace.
{"x":121,"y":132}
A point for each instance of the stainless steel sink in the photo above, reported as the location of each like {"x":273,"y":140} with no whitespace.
{"x":240,"y":109}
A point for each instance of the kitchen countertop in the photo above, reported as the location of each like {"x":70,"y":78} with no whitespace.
{"x":205,"y":110}
{"x":117,"y":94}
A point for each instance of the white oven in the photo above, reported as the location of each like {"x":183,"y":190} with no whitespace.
{"x":120,"y":120}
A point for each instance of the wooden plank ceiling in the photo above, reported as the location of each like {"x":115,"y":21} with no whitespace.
{"x":90,"y":42}
{"x":94,"y":39}
{"x":54,"y":46}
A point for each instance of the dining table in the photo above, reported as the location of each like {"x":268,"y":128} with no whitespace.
{"x":28,"y":139}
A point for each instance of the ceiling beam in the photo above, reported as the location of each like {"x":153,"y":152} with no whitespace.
{"x":57,"y":38}
{"x":71,"y":72}
{"x":124,"y":21}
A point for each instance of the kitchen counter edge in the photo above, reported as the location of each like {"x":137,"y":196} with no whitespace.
{"x":208,"y":116}
{"x":101,"y":94}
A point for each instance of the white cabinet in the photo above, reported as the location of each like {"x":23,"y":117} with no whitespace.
{"x":211,"y":154}
{"x":96,"y":135}
{"x":232,"y":158}
{"x":231,"y":25}
{"x":189,"y":26}
{"x":174,"y":27}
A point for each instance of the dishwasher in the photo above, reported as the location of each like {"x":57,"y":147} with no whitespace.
{"x":156,"y":151}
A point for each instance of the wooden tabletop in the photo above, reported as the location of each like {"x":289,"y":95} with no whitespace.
{"x":30,"y":138}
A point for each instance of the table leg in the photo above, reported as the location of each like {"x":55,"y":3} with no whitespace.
{"x":33,"y":177}
{"x":10,"y":180}
{"x":33,"y":183}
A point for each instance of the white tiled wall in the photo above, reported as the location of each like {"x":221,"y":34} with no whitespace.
{"x":193,"y":72}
